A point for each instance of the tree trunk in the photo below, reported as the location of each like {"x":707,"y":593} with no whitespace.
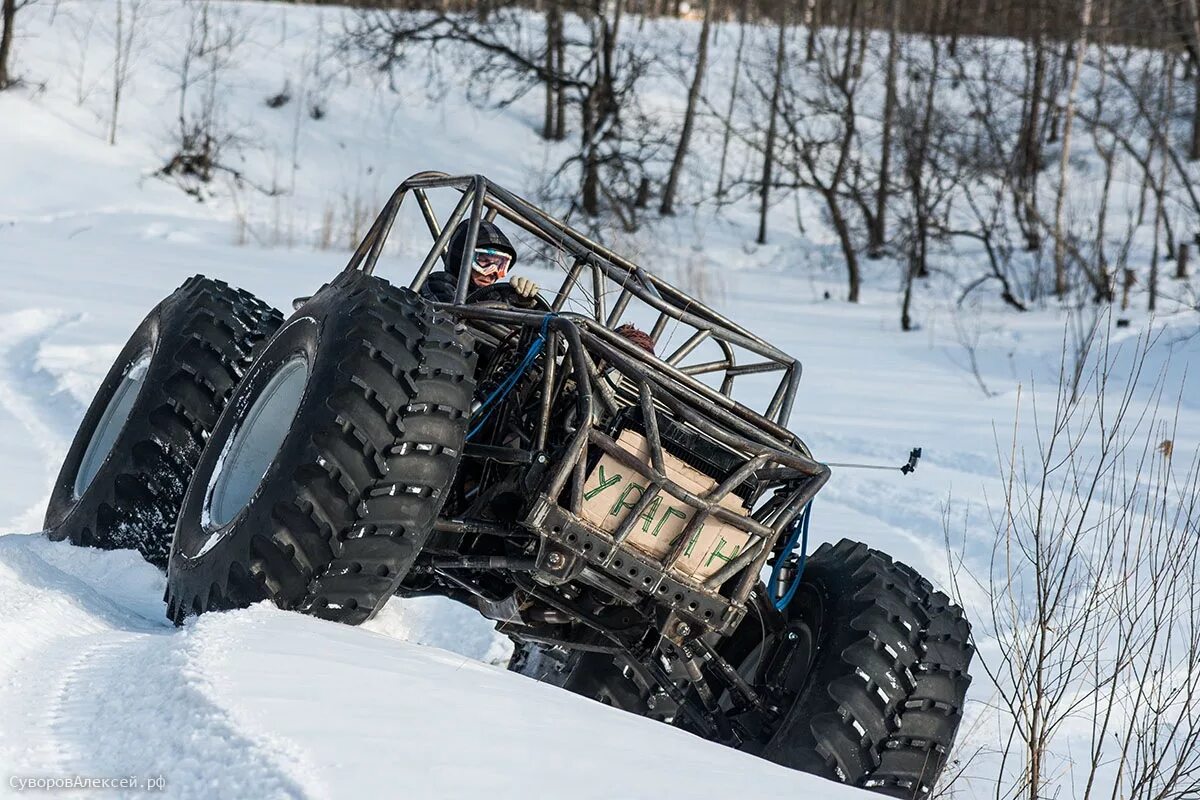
{"x":847,"y":243}
{"x":591,"y":168}
{"x":560,"y":47}
{"x":737,"y":72}
{"x":879,"y":228}
{"x":1192,"y":39}
{"x":1104,"y":282}
{"x":667,"y":208}
{"x":848,"y":61}
{"x":918,"y":158}
{"x":1031,"y":156}
{"x":1104,"y":288}
{"x":1152,"y":303}
{"x":590,"y":187}
{"x":1064,"y":164}
{"x":955,"y":27}
{"x":1194,"y":150}
{"x":599,"y":107}
{"x":906,"y":323}
{"x":8,"y":14}
{"x":769,"y":149}
{"x":812,"y":23}
{"x":1031,"y":136}
{"x":1168,"y":106}
{"x":118,"y":78}
{"x":643,"y":194}
{"x":548,"y":123}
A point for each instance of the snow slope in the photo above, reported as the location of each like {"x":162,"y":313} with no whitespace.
{"x":261,"y":703}
{"x":258,"y":703}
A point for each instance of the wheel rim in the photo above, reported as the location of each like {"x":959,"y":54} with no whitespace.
{"x":112,"y":422}
{"x":801,"y":635}
{"x":254,"y":446}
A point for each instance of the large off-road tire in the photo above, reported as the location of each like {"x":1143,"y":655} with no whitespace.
{"x":323,"y":479}
{"x":596,"y":676}
{"x":873,"y":690}
{"x":125,"y":474}
{"x":887,"y":679}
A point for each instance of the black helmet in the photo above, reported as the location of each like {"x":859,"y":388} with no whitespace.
{"x":490,"y":236}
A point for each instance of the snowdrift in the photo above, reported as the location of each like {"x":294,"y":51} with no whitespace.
{"x":262,"y":703}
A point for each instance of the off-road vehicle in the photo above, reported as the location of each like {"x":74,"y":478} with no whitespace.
{"x":633,"y":514}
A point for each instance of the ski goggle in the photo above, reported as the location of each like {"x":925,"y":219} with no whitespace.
{"x":491,"y":262}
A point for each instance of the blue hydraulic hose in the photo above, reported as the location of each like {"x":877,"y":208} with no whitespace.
{"x":799,"y":532}
{"x":500,"y":392}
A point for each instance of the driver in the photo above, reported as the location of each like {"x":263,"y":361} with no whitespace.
{"x":494,"y":256}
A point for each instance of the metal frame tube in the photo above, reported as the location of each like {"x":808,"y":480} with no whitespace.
{"x":766,"y":446}
{"x":439,"y":245}
{"x":464,"y":268}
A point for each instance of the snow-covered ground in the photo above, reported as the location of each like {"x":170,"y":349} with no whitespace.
{"x":93,"y":681}
{"x":258,"y":703}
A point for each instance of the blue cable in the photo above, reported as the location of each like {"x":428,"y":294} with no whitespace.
{"x":508,"y":384}
{"x":799,"y":527}
{"x":799,"y":532}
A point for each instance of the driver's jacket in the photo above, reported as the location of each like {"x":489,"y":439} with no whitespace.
{"x":440,"y":287}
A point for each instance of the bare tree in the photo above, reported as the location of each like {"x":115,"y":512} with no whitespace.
{"x":919,"y":147}
{"x":1029,"y":152}
{"x":1089,"y":586}
{"x":727,"y":120}
{"x":79,"y":28}
{"x":772,"y":121}
{"x":548,"y":122}
{"x":554,"y":124}
{"x":560,"y":89}
{"x":980,"y":156}
{"x":598,"y":74}
{"x":1183,"y":16}
{"x":812,"y":22}
{"x":8,"y":23}
{"x":879,"y":223}
{"x":919,"y":164}
{"x":667,"y":207}
{"x":204,"y":137}
{"x":1106,"y":149}
{"x":1160,"y":200}
{"x":1060,"y":248}
{"x":125,"y":40}
{"x":821,"y":120}
{"x":986,"y":202}
{"x":968,"y":330}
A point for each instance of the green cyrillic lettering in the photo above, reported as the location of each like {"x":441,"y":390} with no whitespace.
{"x":672,"y":511}
{"x":648,"y":514}
{"x":617,"y":506}
{"x":604,"y":484}
{"x":716,"y":553}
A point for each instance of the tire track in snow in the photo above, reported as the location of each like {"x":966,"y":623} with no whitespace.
{"x":127,"y":691}
{"x":29,"y":392}
{"x":32,"y":395}
{"x":100,"y":688}
{"x":899,"y":515}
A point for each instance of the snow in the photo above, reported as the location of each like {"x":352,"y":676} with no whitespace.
{"x":94,"y":681}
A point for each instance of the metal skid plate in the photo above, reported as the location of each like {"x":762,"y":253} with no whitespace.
{"x":706,"y":609}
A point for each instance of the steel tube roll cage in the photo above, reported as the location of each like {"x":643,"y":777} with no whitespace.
{"x":609,"y":372}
